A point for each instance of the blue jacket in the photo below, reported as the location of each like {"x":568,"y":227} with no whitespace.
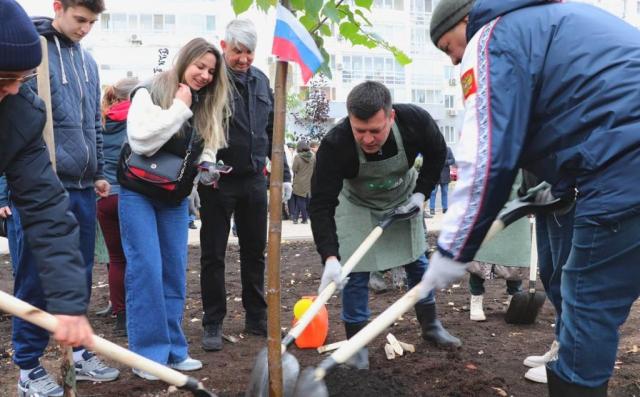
{"x":51,"y":229}
{"x":552,"y":88}
{"x":75,"y":103}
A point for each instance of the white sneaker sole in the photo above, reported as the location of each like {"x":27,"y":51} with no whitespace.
{"x":144,"y":375}
{"x":537,"y":376}
{"x":478,"y":317}
{"x":533,"y":362}
{"x":98,"y":380}
{"x":185,"y":368}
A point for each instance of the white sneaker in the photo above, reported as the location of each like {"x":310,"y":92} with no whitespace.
{"x":536,"y":361}
{"x":537,"y":374}
{"x":188,"y":364}
{"x":476,"y":313}
{"x":144,"y":375}
{"x":39,"y":384}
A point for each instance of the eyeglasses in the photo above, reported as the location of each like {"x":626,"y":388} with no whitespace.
{"x":21,"y":79}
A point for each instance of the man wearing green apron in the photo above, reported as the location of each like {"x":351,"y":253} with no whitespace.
{"x":364,"y":169}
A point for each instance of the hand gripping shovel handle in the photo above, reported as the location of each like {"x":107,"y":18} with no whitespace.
{"x":348,"y":266}
{"x":25,"y":311}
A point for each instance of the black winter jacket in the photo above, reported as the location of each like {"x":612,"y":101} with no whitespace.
{"x":251,"y":126}
{"x":51,"y":230}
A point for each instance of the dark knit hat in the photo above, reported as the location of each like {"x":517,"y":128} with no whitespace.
{"x":446,"y":15}
{"x":19,"y":41}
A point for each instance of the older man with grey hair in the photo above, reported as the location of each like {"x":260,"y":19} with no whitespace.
{"x":242,"y":192}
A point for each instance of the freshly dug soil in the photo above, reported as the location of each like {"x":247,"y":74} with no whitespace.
{"x":488,"y":364}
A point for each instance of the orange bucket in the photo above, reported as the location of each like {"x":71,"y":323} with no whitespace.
{"x":316,"y":332}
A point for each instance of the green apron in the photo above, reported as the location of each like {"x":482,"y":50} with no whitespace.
{"x":379,"y":187}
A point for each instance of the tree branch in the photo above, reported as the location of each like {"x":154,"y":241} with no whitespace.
{"x":324,"y":19}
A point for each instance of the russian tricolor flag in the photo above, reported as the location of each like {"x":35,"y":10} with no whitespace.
{"x":292,"y":42}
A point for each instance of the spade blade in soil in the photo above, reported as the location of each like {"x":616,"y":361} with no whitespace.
{"x":524,"y":307}
{"x":308,"y":386}
{"x":196,"y":388}
{"x":259,"y":382}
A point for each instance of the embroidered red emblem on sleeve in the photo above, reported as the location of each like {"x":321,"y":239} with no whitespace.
{"x":468,"y":82}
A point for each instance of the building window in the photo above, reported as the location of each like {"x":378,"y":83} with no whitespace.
{"x":133,"y":22}
{"x":448,"y":101}
{"x":449,"y":72}
{"x":146,"y":22}
{"x":158,"y":22}
{"x":422,"y":6}
{"x":105,"y":21}
{"x":378,"y":68}
{"x":170,"y":23}
{"x":211,"y":23}
{"x":420,"y":40}
{"x":118,"y":22}
{"x":389,"y":4}
{"x":426,"y":96}
{"x":449,"y":133}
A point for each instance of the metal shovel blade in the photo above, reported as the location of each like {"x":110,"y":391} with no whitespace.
{"x":524,"y":307}
{"x":309,"y":386}
{"x":259,"y":382}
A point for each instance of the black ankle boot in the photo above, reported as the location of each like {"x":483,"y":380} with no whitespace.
{"x":121,"y":324}
{"x":212,"y":338}
{"x":560,"y":388}
{"x":432,"y":329}
{"x":360,"y":360}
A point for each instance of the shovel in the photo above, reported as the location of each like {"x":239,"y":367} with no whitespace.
{"x":259,"y":382}
{"x":25,"y":311}
{"x":525,"y":305}
{"x":311,"y":382}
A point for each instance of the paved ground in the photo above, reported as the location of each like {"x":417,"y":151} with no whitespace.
{"x":290,"y":232}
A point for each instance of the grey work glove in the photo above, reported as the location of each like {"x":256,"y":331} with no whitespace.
{"x":287,"y":191}
{"x":194,"y":200}
{"x":441,"y":272}
{"x":332,"y":271}
{"x":415,"y":201}
{"x":544,"y":196}
{"x":209,"y":177}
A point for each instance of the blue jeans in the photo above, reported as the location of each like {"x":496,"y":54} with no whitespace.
{"x":30,"y":341}
{"x":154,"y":240}
{"x":600,"y":282}
{"x":355,"y":296}
{"x":444,"y":196}
{"x":554,"y":234}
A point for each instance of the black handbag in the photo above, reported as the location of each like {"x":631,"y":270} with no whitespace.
{"x":163,"y":170}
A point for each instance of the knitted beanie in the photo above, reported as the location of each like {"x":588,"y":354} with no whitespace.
{"x":446,"y":15}
{"x":19,"y":41}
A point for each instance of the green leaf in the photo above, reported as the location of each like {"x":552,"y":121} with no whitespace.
{"x":312,"y":7}
{"x":263,"y":5}
{"x":349,"y":29}
{"x":365,"y":19}
{"x":331,"y":12}
{"x":364,"y":3}
{"x":240,"y":6}
{"x":297,"y":4}
{"x":308,"y":21}
{"x":402,"y":58}
{"x":325,"y":29}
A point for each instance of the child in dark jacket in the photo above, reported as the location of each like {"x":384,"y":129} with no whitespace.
{"x":115,"y":108}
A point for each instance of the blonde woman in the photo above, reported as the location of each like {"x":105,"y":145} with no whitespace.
{"x":180,"y":113}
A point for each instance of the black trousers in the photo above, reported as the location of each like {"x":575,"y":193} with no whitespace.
{"x":245,"y":198}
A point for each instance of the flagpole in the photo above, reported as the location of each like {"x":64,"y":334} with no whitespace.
{"x":274,"y":352}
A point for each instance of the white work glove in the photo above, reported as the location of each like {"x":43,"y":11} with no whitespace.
{"x":441,"y":272}
{"x":545,"y":196}
{"x":415,"y":201}
{"x":287,"y":191}
{"x":332,"y":270}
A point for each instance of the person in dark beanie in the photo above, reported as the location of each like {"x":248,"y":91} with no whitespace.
{"x":49,"y":227}
{"x":537,"y":97}
{"x":77,"y":129}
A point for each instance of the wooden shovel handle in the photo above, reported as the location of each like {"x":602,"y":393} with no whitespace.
{"x":328,"y":291}
{"x":25,"y":311}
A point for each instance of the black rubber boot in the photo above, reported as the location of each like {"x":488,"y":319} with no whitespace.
{"x":360,"y":360}
{"x":212,"y":338}
{"x":432,"y":329}
{"x":121,"y":324}
{"x":560,"y":388}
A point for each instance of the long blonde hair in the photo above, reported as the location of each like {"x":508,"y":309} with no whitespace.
{"x":211,"y":113}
